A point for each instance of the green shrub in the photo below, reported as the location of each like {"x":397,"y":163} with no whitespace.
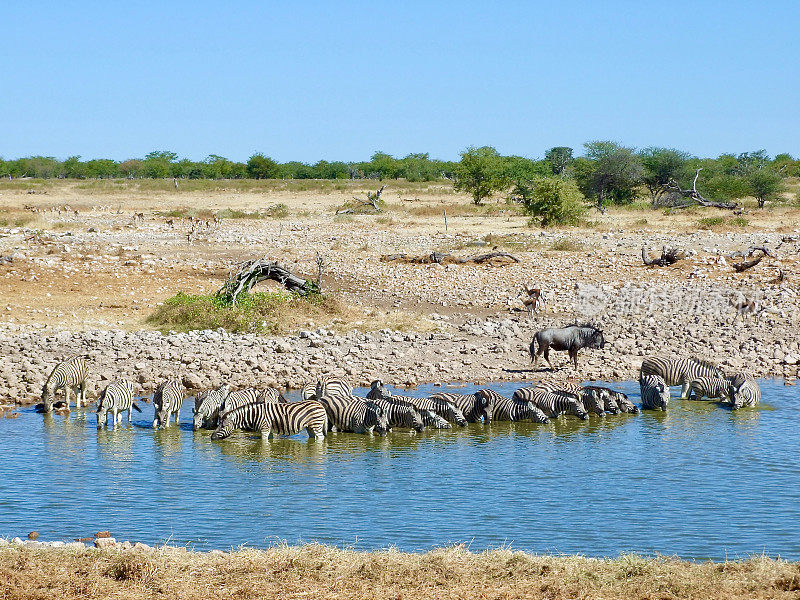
{"x":259,"y":312}
{"x":709,"y":222}
{"x":555,"y":201}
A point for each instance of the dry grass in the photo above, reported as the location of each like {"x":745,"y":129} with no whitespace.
{"x":316,"y":571}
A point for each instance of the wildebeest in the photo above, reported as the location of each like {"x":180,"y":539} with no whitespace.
{"x":570,"y":338}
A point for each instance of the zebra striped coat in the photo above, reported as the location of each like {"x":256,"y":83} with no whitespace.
{"x":167,"y":401}
{"x":309,"y":391}
{"x":589,"y":397}
{"x":655,"y":392}
{"x":328,"y":385}
{"x":282,"y":418}
{"x":680,"y":371}
{"x":474,"y":408}
{"x":401,"y":414}
{"x":442,"y":408}
{"x":348,"y":413}
{"x":625,"y":405}
{"x":607,"y":397}
{"x":116,"y":398}
{"x":506,"y":409}
{"x":68,"y":375}
{"x":708,"y":387}
{"x":239,"y":398}
{"x":207,"y":405}
{"x":744,"y":391}
{"x":551,"y":404}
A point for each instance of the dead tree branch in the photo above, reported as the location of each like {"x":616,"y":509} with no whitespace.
{"x":370,"y":203}
{"x":443,"y":258}
{"x":668,"y":257}
{"x":695,"y":196}
{"x":247,"y":274}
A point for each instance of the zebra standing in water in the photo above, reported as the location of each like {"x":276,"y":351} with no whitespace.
{"x":239,"y":398}
{"x":282,"y":418}
{"x":506,"y":409}
{"x":475,"y":408}
{"x":551,"y":404}
{"x":401,"y":415}
{"x":207,"y":405}
{"x":606,"y":396}
{"x":348,"y":413}
{"x":588,"y":396}
{"x":680,"y":371}
{"x":655,"y":392}
{"x":68,"y":375}
{"x":116,"y":398}
{"x":438,"y":408}
{"x":167,"y":401}
{"x":744,"y":391}
{"x":708,"y":387}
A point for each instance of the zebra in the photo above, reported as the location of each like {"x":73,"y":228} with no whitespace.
{"x":328,"y":385}
{"x":610,"y":404}
{"x":708,"y":387}
{"x":206,"y":407}
{"x":442,"y":408}
{"x":239,"y":398}
{"x":167,"y":401}
{"x":744,"y":391}
{"x":270,"y":394}
{"x":68,"y":375}
{"x":506,"y":409}
{"x":589,"y":397}
{"x":401,"y":415}
{"x":475,"y":408}
{"x":551,"y":404}
{"x":681,"y":371}
{"x":655,"y":392}
{"x":429,"y":417}
{"x":625,"y":405}
{"x":115,"y":398}
{"x":282,"y":418}
{"x":309,"y":391}
{"x":348,"y":413}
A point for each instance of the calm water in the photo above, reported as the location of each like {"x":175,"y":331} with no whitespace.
{"x":699,"y":481}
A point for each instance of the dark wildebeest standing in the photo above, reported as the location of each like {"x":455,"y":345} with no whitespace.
{"x":570,"y":338}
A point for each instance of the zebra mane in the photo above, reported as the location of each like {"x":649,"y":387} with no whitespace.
{"x":704,"y":362}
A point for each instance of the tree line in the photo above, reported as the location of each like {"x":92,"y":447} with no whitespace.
{"x":162,"y":164}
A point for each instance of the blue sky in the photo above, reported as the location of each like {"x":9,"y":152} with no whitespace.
{"x":315,"y":80}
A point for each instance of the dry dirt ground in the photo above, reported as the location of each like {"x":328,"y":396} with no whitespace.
{"x":81,"y":261}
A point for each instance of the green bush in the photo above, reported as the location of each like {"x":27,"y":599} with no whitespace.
{"x":259,"y":312}
{"x":555,"y":201}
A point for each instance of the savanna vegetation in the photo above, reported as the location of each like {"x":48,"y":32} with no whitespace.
{"x":555,"y":189}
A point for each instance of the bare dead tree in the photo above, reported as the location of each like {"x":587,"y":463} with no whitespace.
{"x":247,"y":274}
{"x":443,"y":258}
{"x":370,"y":203}
{"x":756,"y":252}
{"x":668,"y":257}
{"x":695,"y":196}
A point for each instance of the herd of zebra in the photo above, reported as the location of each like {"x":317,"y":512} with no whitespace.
{"x":329,"y":404}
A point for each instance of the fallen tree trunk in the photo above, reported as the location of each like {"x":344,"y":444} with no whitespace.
{"x":748,"y":264}
{"x":693,"y":194}
{"x":443,"y":258}
{"x":251,"y":272}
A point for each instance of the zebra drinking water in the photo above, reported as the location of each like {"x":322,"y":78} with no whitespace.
{"x":401,"y":414}
{"x":348,"y":413}
{"x":167,"y":401}
{"x":551,"y":404}
{"x":655,"y":392}
{"x":442,"y":408}
{"x":328,"y":385}
{"x":680,"y":371}
{"x":610,"y":404}
{"x":506,"y":409}
{"x":116,"y":398}
{"x":239,"y":398}
{"x":282,"y":418}
{"x":207,"y":405}
{"x":68,"y":375}
{"x":744,"y":391}
{"x":589,"y":397}
{"x":708,"y":387}
{"x":474,"y":408}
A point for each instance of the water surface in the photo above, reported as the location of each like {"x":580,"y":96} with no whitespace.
{"x":699,"y":481}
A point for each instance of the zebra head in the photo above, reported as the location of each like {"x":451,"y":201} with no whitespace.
{"x":576,"y":408}
{"x":47,"y":396}
{"x":593,"y":402}
{"x":624,"y":404}
{"x":742,"y":392}
{"x":455,"y":415}
{"x":609,"y":403}
{"x":102,"y":409}
{"x":224,"y":429}
{"x":377,"y":391}
{"x":414,"y":419}
{"x":486,"y":402}
{"x":663,"y":395}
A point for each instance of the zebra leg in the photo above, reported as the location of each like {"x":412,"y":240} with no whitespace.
{"x":66,"y":397}
{"x":685,"y":390}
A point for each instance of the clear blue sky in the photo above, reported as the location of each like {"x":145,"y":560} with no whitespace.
{"x":339,"y":80}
